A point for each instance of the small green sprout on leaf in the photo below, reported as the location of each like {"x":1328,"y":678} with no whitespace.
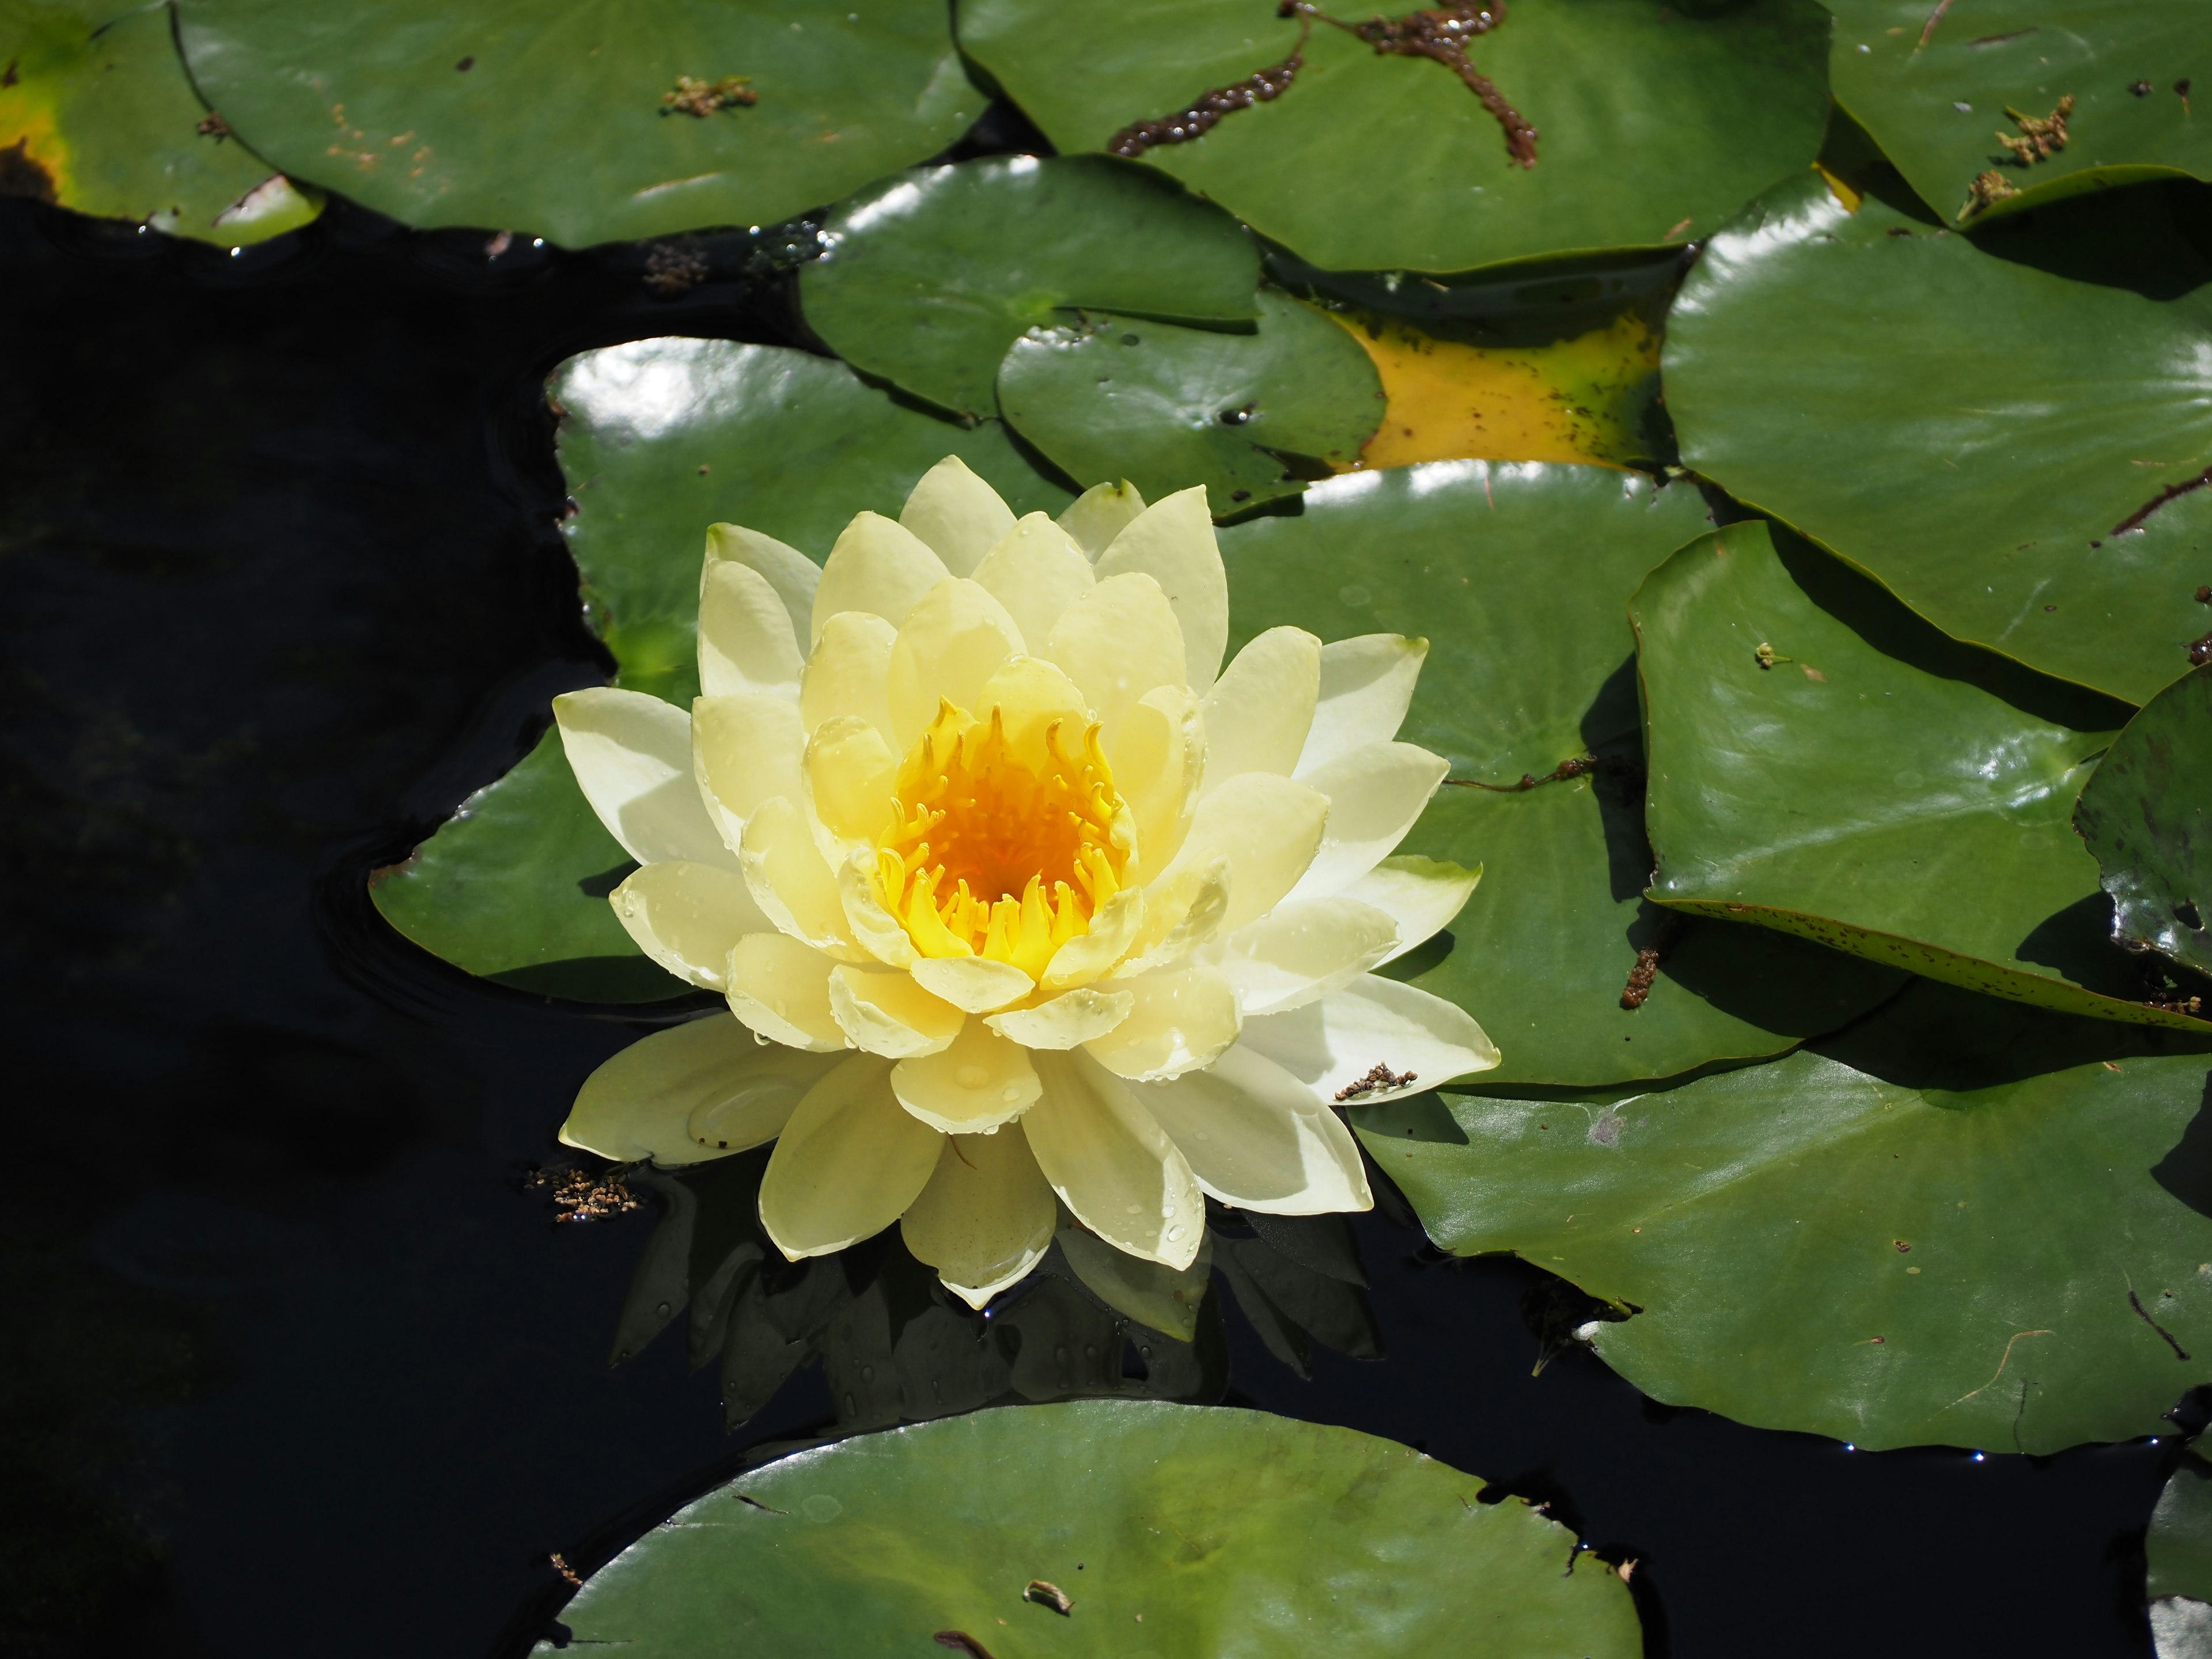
{"x":701,"y":99}
{"x":2040,"y":139}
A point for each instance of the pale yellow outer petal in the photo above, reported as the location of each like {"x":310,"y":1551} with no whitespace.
{"x":1330,"y":1046}
{"x":975,"y":983}
{"x":947,"y":649}
{"x":1158,"y":755}
{"x":1422,"y":896}
{"x":791,"y":881}
{"x":1366,"y":686}
{"x":1183,"y":910}
{"x":1037,"y":572}
{"x":1116,"y":643}
{"x":849,"y":673}
{"x":1063,"y":1022}
{"x":1029,"y":695}
{"x":875,"y":929}
{"x":1180,"y":1018}
{"x":846,"y":1165}
{"x":1303,"y":949}
{"x":1099,"y":514}
{"x":1112,"y":1164}
{"x":1088,"y":956}
{"x":689,"y":917}
{"x":852,"y":776}
{"x":1172,"y":542}
{"x":781,"y":988}
{"x":1268,"y":828}
{"x":1256,"y":1138}
{"x":695,"y":1092}
{"x":971,"y":1087}
{"x":1164,"y":1299}
{"x":877,"y":567}
{"x":790,"y":572}
{"x":960,"y":517}
{"x":1376,"y":795}
{"x":745,"y":641}
{"x":986,"y":1216}
{"x":632,"y":757}
{"x":1257,"y":715}
{"x":744,"y":750}
{"x":885,"y":1012}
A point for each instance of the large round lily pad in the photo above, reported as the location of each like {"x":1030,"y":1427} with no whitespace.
{"x":1895,"y":805}
{"x":660,"y":439}
{"x":928,"y":278}
{"x":1526,"y":671}
{"x":2146,"y":815}
{"x":1167,"y":1530}
{"x":1961,"y":1222}
{"x":584,"y":120}
{"x":97,"y":113}
{"x":2010,"y":449}
{"x":1656,"y":122}
{"x":1937,"y":87}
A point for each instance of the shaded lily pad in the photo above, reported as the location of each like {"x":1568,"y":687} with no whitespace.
{"x":660,"y":439}
{"x":1249,"y":415}
{"x":1889,"y":803}
{"x":1933,"y":85}
{"x":2146,"y":815}
{"x":2179,"y":1544}
{"x":97,"y":114}
{"x":1656,"y":122}
{"x":1286,"y":1536}
{"x":2008,"y":424}
{"x":1526,"y":671}
{"x":584,"y":120}
{"x":930,"y":276}
{"x":1960,"y":1222}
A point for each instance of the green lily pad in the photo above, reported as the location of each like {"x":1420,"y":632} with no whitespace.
{"x":1656,"y":122}
{"x":659,"y":439}
{"x":1890,"y":803}
{"x":2179,"y":1544}
{"x":1168,"y":1529}
{"x":1961,"y":1222}
{"x":1251,"y":417}
{"x":97,"y":114}
{"x":1525,"y":671}
{"x":553,"y":115}
{"x":1979,"y":433}
{"x":1934,"y":85}
{"x":930,"y":276}
{"x":2146,"y":815}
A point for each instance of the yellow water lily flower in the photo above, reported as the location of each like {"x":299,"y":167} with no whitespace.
{"x":1015,"y":893}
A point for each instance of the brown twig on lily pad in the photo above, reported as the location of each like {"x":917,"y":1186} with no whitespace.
{"x":701,"y":99}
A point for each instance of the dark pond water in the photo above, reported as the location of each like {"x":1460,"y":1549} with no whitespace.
{"x":293,"y":1367}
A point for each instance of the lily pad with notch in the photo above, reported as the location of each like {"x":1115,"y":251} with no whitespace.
{"x":2146,"y":815}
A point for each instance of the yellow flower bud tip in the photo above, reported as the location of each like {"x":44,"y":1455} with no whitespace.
{"x":999,"y":852}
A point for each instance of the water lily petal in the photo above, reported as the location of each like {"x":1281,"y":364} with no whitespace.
{"x":1100,"y":513}
{"x":1422,"y":896}
{"x":1062,"y":1022}
{"x":1036,"y":571}
{"x":791,"y":882}
{"x":1112,"y":1164}
{"x":1258,"y":713}
{"x":1180,"y":1018}
{"x":975,"y":983}
{"x":1256,"y":1137}
{"x":1366,"y":686}
{"x":1117,"y":643}
{"x":846,"y":1165}
{"x":689,"y":917}
{"x":1163,"y":1300}
{"x":877,"y":567}
{"x":876,"y":930}
{"x":986,"y":1218}
{"x":781,"y":988}
{"x":745,"y":641}
{"x":1268,"y":828}
{"x":744,"y":750}
{"x":852,"y":775}
{"x":1303,"y":949}
{"x":1029,"y":695}
{"x":960,"y":517}
{"x":1172,"y":542}
{"x":978,"y":1082}
{"x":1374,"y":795}
{"x":632,"y":757}
{"x":1089,"y":955}
{"x":695,"y":1092}
{"x":849,"y":673}
{"x":1334,"y":1046}
{"x":885,"y":1012}
{"x":790,"y":572}
{"x":1158,"y":755}
{"x":951,"y":642}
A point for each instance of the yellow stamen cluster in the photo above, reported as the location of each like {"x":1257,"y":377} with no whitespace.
{"x":995,"y":851}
